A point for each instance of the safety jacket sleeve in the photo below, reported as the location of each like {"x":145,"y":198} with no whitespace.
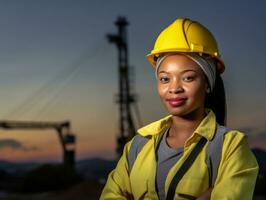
{"x":118,"y":183}
{"x":237,"y":171}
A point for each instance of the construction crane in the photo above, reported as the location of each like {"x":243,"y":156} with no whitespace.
{"x":125,"y":97}
{"x":67,"y":139}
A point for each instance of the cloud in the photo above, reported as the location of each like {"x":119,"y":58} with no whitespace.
{"x":259,"y":135}
{"x":248,"y":130}
{"x":16,"y":145}
{"x":256,"y":137}
{"x":254,"y":132}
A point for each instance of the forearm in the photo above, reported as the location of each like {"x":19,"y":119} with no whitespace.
{"x":118,"y":183}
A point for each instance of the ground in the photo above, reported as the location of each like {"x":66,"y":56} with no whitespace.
{"x":82,"y":191}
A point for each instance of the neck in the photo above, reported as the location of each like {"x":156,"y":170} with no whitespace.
{"x":186,"y":125}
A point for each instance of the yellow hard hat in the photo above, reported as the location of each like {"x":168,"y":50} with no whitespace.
{"x":185,"y":35}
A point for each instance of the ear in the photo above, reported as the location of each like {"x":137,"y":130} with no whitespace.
{"x":207,"y":88}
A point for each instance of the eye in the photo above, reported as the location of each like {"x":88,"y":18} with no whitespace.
{"x":164,"y":79}
{"x":188,"y":78}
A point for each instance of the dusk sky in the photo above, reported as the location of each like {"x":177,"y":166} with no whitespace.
{"x":56,"y":64}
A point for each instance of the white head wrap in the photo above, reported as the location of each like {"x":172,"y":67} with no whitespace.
{"x":207,"y":65}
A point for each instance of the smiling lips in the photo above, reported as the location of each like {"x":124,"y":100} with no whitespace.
{"x":175,"y":102}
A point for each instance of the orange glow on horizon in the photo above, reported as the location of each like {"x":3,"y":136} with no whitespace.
{"x":45,"y":146}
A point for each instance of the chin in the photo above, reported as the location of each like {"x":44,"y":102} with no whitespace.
{"x":183,"y":111}
{"x":177,"y":111}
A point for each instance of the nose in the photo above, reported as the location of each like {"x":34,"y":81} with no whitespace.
{"x":175,"y":87}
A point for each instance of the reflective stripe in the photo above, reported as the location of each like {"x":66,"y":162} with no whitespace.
{"x":136,"y":146}
{"x":214,"y":153}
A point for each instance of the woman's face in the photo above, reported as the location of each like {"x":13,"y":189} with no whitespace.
{"x":181,"y":85}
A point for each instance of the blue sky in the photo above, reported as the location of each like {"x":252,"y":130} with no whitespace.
{"x":61,"y":47}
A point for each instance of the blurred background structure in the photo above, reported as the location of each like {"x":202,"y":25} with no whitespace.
{"x":66,"y":138}
{"x":56,"y":65}
{"x":125,"y":97}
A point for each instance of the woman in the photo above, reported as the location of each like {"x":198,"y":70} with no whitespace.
{"x":171,"y":156}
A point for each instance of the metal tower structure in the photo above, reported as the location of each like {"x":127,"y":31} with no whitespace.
{"x":67,"y":139}
{"x":125,"y":96}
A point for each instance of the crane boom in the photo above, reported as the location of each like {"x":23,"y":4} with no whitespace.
{"x":67,"y":139}
{"x":7,"y":124}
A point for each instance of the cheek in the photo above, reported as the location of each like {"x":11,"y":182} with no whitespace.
{"x":196,"y":90}
{"x":201,"y":92}
{"x":161,"y":89}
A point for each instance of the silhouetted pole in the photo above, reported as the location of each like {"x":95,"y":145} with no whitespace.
{"x":125,"y":98}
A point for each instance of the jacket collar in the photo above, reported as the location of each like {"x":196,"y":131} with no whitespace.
{"x":206,"y":128}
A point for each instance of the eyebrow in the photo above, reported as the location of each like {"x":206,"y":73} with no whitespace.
{"x":184,"y":71}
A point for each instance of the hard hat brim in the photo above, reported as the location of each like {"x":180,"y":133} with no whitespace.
{"x":152,"y":57}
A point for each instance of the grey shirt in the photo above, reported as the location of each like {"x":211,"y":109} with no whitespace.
{"x":167,"y":157}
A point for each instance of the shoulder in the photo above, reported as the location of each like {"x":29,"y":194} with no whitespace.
{"x":138,"y":141}
{"x":135,"y":144}
{"x":234,"y":138}
{"x":227,"y":137}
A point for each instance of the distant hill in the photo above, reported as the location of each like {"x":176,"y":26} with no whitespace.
{"x":95,"y":168}
{"x":261,"y":158}
{"x":260,"y":155}
{"x":17,"y":168}
{"x":92,"y":168}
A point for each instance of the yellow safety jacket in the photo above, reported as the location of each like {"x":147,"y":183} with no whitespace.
{"x":235,"y":180}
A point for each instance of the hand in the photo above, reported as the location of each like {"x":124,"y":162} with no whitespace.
{"x":205,"y":195}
